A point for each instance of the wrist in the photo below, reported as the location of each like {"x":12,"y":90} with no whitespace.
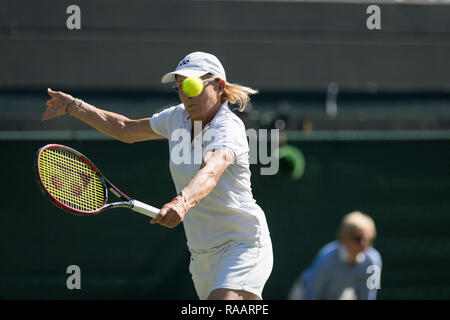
{"x":69,"y":105}
{"x":182,"y":200}
{"x":74,"y":107}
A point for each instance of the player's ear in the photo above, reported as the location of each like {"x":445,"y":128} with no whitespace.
{"x":221,"y":86}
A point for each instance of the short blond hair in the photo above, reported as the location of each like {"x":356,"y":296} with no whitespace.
{"x":359,"y":221}
{"x":237,"y":94}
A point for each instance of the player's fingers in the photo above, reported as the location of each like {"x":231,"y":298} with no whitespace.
{"x":61,"y":96}
{"x":156,"y":219}
{"x":169,"y":220}
{"x":172,"y":218}
{"x":173,"y":223}
{"x":48,"y":114}
{"x":52,"y":93}
{"x":55,"y":94}
{"x":159,"y":216}
{"x":165,"y":219}
{"x":54,"y":109}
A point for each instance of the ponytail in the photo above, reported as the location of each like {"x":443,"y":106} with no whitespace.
{"x":237,"y":94}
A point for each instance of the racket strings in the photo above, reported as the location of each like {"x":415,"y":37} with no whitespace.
{"x":71,"y":181}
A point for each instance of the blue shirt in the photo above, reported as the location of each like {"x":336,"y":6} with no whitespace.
{"x":331,"y":277}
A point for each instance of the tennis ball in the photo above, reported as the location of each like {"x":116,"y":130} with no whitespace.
{"x":292,"y":162}
{"x":193,"y":86}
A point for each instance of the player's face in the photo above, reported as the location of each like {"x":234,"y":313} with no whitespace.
{"x":357,"y":241}
{"x":201,"y":106}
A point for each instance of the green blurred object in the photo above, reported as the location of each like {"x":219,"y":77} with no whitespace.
{"x":292,"y":162}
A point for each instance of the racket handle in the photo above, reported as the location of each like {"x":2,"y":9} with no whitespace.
{"x":144,"y":208}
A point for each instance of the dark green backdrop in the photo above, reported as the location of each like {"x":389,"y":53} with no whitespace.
{"x":404,"y":186}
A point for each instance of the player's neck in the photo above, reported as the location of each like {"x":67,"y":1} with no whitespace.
{"x":351,"y":260}
{"x":207,"y":117}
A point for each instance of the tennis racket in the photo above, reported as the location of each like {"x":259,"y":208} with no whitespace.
{"x":74,"y":184}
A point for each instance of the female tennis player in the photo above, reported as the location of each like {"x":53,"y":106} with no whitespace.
{"x":227,"y":233}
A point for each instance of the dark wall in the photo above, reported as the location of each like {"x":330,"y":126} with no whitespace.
{"x":271,"y":45}
{"x":404,"y":186}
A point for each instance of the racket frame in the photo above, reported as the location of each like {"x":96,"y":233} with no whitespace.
{"x":126,"y":203}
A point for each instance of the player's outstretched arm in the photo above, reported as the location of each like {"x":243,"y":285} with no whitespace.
{"x":112,"y":124}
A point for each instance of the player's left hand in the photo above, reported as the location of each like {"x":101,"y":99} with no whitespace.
{"x":171,"y":214}
{"x":57,"y":105}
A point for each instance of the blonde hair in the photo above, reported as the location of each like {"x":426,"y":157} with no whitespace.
{"x":237,"y":94}
{"x":357,"y":220}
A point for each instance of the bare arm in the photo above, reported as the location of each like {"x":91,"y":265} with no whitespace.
{"x":214,"y":164}
{"x":112,"y":124}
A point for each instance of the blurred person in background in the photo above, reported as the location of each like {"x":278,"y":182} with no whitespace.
{"x":348,"y":268}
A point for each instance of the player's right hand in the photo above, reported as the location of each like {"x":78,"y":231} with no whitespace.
{"x":57,"y":105}
{"x":172,"y":213}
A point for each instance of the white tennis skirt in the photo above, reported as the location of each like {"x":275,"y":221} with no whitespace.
{"x":235,"y":265}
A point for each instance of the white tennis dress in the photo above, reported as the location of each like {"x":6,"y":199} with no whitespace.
{"x":227,"y":232}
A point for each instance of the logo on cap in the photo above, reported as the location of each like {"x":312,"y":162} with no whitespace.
{"x":184,"y":62}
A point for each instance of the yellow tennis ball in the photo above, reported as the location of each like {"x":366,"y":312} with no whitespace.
{"x":193,"y":86}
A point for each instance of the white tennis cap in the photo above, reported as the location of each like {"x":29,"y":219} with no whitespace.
{"x":196,"y":64}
